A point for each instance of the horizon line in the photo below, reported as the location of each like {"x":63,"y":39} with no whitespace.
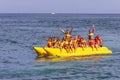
{"x":54,"y":12}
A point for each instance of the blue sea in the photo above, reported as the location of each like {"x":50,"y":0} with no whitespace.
{"x":19,"y":33}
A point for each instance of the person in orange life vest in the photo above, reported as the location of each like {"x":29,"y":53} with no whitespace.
{"x":49,"y":42}
{"x":91,"y":43}
{"x":54,"y":40}
{"x":66,"y":45}
{"x":79,"y":39}
{"x":83,"y":43}
{"x":71,"y":44}
{"x":62,"y":44}
{"x":67,"y":33}
{"x":97,"y":42}
{"x":91,"y":32}
{"x":57,"y":43}
{"x":100,"y":40}
{"x":75,"y":43}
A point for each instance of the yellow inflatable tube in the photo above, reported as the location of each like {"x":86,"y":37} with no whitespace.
{"x":78,"y":52}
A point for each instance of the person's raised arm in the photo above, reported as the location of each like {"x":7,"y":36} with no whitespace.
{"x":93,"y":28}
{"x":45,"y":38}
{"x":62,"y":30}
{"x":71,"y":29}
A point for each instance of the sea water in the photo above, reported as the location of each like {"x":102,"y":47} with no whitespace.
{"x":19,"y":33}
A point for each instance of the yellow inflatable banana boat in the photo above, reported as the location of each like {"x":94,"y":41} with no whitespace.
{"x":78,"y":52}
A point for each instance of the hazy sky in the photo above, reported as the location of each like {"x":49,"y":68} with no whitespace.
{"x":60,"y":6}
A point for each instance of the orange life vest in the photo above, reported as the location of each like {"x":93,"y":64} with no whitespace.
{"x":49,"y":44}
{"x":97,"y":41}
{"x":91,"y":42}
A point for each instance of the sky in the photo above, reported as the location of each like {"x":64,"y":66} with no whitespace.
{"x":59,"y":6}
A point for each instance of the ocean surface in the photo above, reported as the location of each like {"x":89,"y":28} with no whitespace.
{"x":19,"y":33}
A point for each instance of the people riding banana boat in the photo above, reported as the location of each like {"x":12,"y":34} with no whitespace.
{"x":73,"y":46}
{"x":70,"y":44}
